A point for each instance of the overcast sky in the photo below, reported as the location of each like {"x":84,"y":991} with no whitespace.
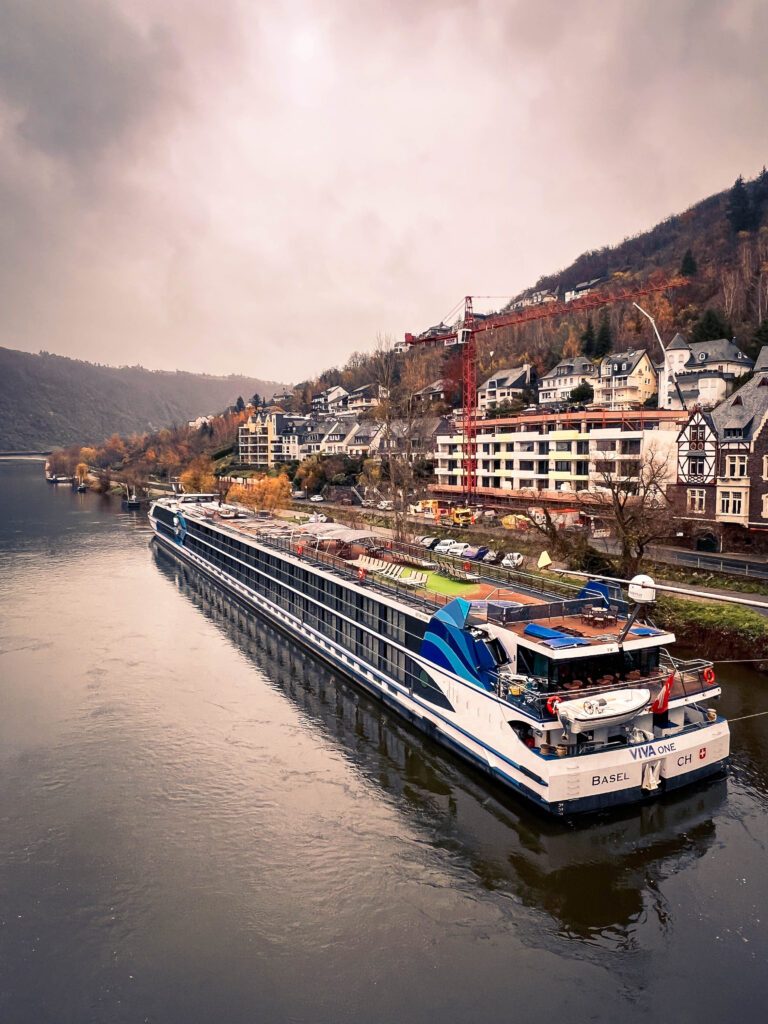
{"x":263,"y":187}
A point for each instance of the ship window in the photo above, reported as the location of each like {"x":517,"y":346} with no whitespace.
{"x":497,"y":652}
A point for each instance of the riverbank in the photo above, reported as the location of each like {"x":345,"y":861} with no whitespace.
{"x":720,"y":630}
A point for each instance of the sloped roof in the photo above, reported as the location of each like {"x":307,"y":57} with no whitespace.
{"x":720,"y":350}
{"x":579,"y":364}
{"x":516,"y":376}
{"x":745,"y":409}
{"x":677,"y":343}
{"x":761,"y":363}
{"x":631,"y":358}
{"x":435,"y":387}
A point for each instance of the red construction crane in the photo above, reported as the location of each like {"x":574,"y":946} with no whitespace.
{"x":470,"y":327}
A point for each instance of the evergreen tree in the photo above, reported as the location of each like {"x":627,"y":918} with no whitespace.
{"x":256,"y":400}
{"x":689,"y":267}
{"x":604,"y":339}
{"x":588,"y":339}
{"x":710,"y":326}
{"x":239,"y":404}
{"x":740,"y":212}
{"x":584,"y":392}
{"x":759,"y":197}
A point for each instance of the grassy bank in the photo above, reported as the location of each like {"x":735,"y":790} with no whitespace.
{"x":719,"y":631}
{"x":664,"y":573}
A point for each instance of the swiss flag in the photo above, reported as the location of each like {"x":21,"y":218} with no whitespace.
{"x":661,"y":703}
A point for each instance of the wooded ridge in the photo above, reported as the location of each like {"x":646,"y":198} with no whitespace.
{"x":48,"y":400}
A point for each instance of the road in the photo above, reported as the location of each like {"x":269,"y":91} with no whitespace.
{"x":734,"y":565}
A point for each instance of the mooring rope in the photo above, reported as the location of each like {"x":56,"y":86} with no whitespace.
{"x":757,"y":714}
{"x":741,"y":661}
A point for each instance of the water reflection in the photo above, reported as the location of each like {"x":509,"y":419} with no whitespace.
{"x":597,"y":879}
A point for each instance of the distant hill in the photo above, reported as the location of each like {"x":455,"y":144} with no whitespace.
{"x":48,"y":400}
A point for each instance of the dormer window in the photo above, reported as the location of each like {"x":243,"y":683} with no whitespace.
{"x":702,"y":356}
{"x":763,"y":382}
{"x":737,"y":400}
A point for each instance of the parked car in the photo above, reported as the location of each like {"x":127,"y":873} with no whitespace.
{"x":491,"y":556}
{"x":298,"y":495}
{"x":367,"y":503}
{"x":479,"y":554}
{"x":318,"y":517}
{"x":385,"y":506}
{"x":317,"y":497}
{"x":459,"y":548}
{"x":513,"y":560}
{"x":430,"y":542}
{"x":442,"y":546}
{"x":490,"y":513}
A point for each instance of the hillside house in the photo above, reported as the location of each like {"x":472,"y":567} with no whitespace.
{"x":332,"y":401}
{"x":504,"y":386}
{"x":555,"y":387}
{"x":364,"y":398}
{"x":706,"y":372}
{"x":626,"y":380}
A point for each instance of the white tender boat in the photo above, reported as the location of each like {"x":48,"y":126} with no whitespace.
{"x":617,"y":707}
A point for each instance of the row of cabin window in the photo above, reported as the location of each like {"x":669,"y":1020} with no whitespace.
{"x":387,"y":621}
{"x":373,"y":649}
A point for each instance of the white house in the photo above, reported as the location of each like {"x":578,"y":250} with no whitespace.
{"x":556,"y":386}
{"x":706,"y":372}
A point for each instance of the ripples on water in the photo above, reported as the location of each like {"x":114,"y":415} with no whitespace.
{"x":200,"y":822}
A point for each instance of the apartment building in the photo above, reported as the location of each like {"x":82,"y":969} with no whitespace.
{"x":504,"y":386}
{"x":560,"y":451}
{"x":626,"y":380}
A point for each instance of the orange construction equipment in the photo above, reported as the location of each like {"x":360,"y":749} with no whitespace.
{"x":465,"y":335}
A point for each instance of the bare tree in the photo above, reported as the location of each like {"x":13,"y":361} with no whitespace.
{"x":631,"y":497}
{"x":401,"y":417}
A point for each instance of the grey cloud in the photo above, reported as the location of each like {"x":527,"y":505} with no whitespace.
{"x":79,"y":75}
{"x":265,"y":187}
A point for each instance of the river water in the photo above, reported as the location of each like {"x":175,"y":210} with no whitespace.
{"x":199,"y":822}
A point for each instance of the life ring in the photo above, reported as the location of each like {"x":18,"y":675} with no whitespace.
{"x":300,"y":549}
{"x":467,"y":566}
{"x":361,"y":574}
{"x":709,"y":675}
{"x":552,"y":703}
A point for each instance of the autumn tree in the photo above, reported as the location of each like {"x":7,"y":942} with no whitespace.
{"x":266,"y":493}
{"x":631,"y":497}
{"x":199,"y":477}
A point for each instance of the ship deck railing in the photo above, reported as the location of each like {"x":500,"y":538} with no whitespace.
{"x":426,"y":601}
{"x":536,"y":695}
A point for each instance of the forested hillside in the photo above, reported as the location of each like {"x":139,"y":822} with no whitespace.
{"x":48,"y":400}
{"x":720,"y":248}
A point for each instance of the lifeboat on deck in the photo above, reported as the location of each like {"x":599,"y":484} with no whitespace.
{"x":617,"y":707}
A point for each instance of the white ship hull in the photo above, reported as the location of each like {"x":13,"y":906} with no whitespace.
{"x":477,"y":724}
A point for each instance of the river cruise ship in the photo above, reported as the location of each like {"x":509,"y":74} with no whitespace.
{"x":573,"y":699}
